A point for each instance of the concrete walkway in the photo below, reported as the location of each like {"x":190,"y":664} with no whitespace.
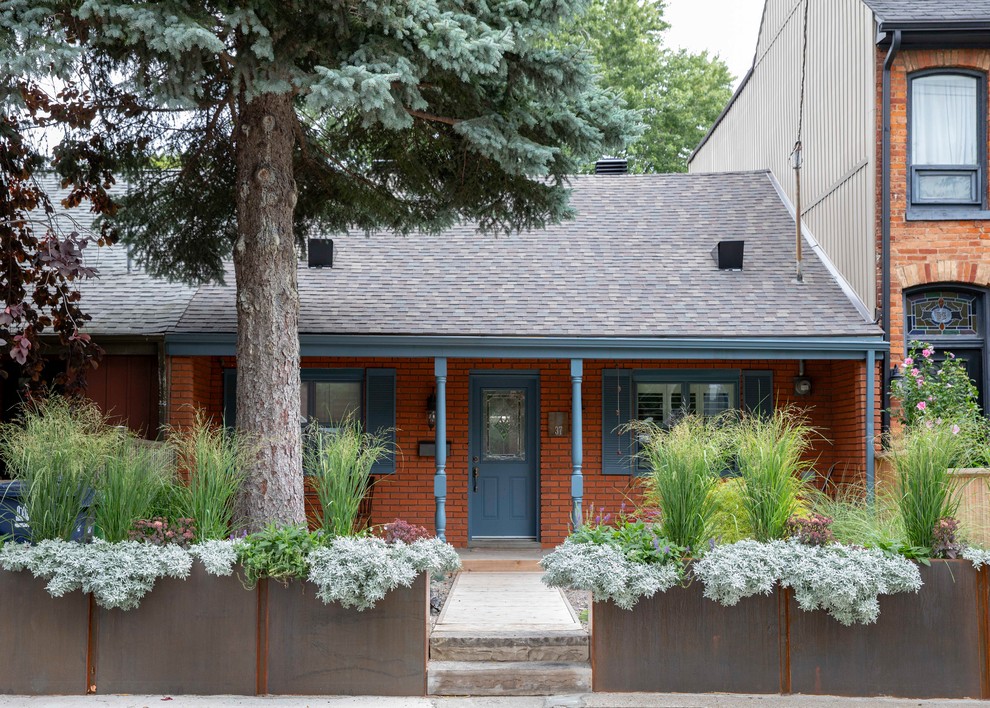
{"x":506,"y":602}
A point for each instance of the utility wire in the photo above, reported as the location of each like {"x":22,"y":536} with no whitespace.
{"x":796,"y":153}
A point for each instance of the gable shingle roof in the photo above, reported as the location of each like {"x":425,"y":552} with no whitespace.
{"x":930,"y":11}
{"x":634,"y":263}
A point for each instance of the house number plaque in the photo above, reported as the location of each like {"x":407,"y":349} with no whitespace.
{"x":558,"y":425}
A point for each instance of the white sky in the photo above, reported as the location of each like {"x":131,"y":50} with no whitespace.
{"x":724,"y":27}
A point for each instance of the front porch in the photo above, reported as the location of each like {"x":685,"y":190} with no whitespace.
{"x":554,"y":407}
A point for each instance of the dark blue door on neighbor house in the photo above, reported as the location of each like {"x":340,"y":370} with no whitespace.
{"x":503,"y":482}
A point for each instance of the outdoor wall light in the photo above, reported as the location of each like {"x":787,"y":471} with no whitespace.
{"x":802,"y":383}
{"x":431,"y":410}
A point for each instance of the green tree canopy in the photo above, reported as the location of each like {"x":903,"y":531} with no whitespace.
{"x":679,"y":94}
{"x":282,"y":116}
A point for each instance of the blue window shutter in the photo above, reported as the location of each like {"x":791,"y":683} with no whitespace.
{"x":229,"y":397}
{"x":380,"y":413}
{"x":616,"y":411}
{"x":758,"y":392}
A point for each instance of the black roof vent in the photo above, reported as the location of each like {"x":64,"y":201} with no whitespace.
{"x":320,"y":252}
{"x":612,"y":166}
{"x":728,"y":255}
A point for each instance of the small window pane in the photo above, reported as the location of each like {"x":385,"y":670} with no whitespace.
{"x":943,"y":313}
{"x":505,"y":425}
{"x":713,"y":399}
{"x":959,"y":187}
{"x":659,"y":402}
{"x":944,"y":120}
{"x":330,"y":402}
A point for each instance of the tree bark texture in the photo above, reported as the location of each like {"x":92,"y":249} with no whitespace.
{"x":268,"y":312}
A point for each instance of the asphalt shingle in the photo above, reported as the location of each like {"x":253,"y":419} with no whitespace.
{"x":929,"y":10}
{"x":634,"y":263}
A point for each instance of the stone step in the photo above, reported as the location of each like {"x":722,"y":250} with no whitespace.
{"x":555,"y":646}
{"x":500,"y":565}
{"x":503,"y":678}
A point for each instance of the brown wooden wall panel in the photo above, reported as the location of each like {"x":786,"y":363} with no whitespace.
{"x":317,"y":649}
{"x":44,"y":639}
{"x":125,"y":387}
{"x":680,"y":642}
{"x":196,"y":636}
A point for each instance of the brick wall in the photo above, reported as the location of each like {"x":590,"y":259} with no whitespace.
{"x":836,"y":407}
{"x":924,"y":252}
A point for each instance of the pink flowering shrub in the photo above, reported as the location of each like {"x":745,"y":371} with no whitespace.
{"x":400,"y":530}
{"x":160,"y":532}
{"x":814,"y":530}
{"x":935,"y":391}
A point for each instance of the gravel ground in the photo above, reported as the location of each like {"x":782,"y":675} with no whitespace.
{"x":439,"y":589}
{"x":580,"y":600}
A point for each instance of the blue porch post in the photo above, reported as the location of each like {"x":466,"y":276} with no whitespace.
{"x":440,"y":479}
{"x":577,"y":455}
{"x":871,"y":376}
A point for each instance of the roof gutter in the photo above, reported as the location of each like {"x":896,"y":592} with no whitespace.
{"x":887,"y":27}
{"x":895,"y":45}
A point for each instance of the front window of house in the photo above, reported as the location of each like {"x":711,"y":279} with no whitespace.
{"x":947,"y":139}
{"x":330,"y":402}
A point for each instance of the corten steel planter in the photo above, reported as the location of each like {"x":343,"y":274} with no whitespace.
{"x":678,"y":641}
{"x":929,"y":645}
{"x":44,"y":639}
{"x":195,"y":636}
{"x":318,"y":649}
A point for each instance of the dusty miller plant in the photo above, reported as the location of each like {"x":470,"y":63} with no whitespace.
{"x":842,"y":580}
{"x":117,"y":574}
{"x":217,"y":557}
{"x":979,"y":557}
{"x":607,"y":573}
{"x":358,"y":572}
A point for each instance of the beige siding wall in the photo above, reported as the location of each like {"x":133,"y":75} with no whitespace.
{"x":760,"y":128}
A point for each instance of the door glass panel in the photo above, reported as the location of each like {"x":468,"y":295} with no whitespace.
{"x":504,"y":425}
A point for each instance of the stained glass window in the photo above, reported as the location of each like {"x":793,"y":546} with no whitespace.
{"x":942,"y":313}
{"x":505,"y":425}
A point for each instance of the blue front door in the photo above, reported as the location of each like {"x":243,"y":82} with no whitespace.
{"x":503,"y":482}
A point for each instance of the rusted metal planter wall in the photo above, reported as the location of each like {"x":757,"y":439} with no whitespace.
{"x":935,"y":644}
{"x":679,"y":642}
{"x":929,"y":645}
{"x":317,"y":649}
{"x":197,"y":636}
{"x":45,"y":639}
{"x":208,"y":635}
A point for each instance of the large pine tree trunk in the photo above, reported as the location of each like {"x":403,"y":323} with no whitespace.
{"x":268,"y":311}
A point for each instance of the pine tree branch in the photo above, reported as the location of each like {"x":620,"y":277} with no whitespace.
{"x":433,"y":118}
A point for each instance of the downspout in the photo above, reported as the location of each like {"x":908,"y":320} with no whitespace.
{"x":895,"y":44}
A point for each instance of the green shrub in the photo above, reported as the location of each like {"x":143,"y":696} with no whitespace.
{"x":638,"y":540}
{"x":926,"y":492}
{"x":770,"y":456}
{"x":684,"y":464}
{"x":340,"y":462}
{"x":215,"y":459}
{"x":277,"y":552}
{"x":730,"y":522}
{"x":56,"y":449}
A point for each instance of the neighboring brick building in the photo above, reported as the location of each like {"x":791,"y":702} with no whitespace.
{"x":541,"y":345}
{"x":904,"y":219}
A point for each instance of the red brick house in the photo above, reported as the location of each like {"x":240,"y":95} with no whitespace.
{"x":894,"y":174}
{"x":504,"y":366}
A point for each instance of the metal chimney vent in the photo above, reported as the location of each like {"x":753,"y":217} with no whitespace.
{"x":612,"y":166}
{"x":728,"y":255}
{"x":320,"y":252}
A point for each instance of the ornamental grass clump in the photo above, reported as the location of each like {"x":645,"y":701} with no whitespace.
{"x":770,"y":456}
{"x":132,"y":478}
{"x":684,"y":462}
{"x":215,"y":459}
{"x":339,"y":461}
{"x":56,"y":449}
{"x":926,"y":492}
